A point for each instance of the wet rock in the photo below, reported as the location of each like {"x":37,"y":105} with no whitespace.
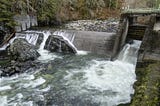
{"x":56,"y":43}
{"x":39,"y":40}
{"x":21,"y":50}
{"x":19,"y":67}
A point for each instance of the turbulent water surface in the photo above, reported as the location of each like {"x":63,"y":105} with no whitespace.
{"x":74,"y":80}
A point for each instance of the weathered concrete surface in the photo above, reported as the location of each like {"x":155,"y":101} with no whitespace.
{"x":150,"y":47}
{"x":24,"y":22}
{"x":157,"y":26}
{"x":97,"y":42}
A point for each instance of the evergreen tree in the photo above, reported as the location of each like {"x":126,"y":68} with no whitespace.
{"x":6,"y":15}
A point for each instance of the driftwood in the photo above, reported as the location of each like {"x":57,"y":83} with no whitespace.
{"x":8,"y":39}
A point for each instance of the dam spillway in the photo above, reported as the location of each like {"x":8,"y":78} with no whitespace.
{"x":95,"y":42}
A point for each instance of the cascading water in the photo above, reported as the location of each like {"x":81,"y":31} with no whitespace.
{"x":69,"y":37}
{"x":32,"y":38}
{"x":45,"y":54}
{"x":79,"y":80}
{"x":66,"y":37}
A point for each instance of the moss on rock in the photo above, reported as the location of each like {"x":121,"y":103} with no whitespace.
{"x":147,"y":87}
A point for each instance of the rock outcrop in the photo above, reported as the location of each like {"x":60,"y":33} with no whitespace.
{"x":21,"y":50}
{"x":57,"y":43}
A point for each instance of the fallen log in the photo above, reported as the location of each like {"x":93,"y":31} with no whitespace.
{"x":8,"y":39}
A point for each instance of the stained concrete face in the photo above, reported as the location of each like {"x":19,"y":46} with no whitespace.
{"x":156,"y":26}
{"x":24,"y":22}
{"x":95,"y":42}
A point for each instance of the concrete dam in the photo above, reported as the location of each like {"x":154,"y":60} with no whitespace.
{"x":94,"y":42}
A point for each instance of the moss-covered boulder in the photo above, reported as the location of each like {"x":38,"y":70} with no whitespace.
{"x":21,"y":50}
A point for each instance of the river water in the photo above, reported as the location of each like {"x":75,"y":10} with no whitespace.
{"x":73,"y":80}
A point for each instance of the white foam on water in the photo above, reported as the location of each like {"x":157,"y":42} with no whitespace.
{"x":29,"y":103}
{"x":45,"y":89}
{"x":26,"y":82}
{"x":3,"y":88}
{"x":34,"y":83}
{"x":3,"y":100}
{"x":17,"y":99}
{"x":112,"y":79}
{"x":116,"y":77}
{"x":45,"y":55}
{"x":81,"y":52}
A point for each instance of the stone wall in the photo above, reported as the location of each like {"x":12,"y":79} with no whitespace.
{"x":24,"y":22}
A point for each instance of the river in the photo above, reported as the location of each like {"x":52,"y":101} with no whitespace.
{"x":84,"y":79}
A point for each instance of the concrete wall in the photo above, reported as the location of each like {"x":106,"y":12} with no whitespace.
{"x":25,"y":22}
{"x":97,"y":42}
{"x":150,"y":47}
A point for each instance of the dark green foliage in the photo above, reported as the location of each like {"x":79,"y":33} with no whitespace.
{"x":52,"y":10}
{"x":47,"y":9}
{"x":6,"y":15}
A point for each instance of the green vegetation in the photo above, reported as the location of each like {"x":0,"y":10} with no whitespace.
{"x":55,"y":10}
{"x":6,"y":15}
{"x":147,"y":86}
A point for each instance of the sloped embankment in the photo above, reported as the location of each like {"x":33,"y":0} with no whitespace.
{"x":147,"y":86}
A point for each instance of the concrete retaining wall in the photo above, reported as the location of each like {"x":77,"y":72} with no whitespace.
{"x":96,"y":42}
{"x":25,"y":22}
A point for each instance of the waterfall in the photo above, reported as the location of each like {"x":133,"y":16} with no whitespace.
{"x":32,"y":38}
{"x":46,"y":35}
{"x":45,"y":55}
{"x":68,"y":37}
{"x":129,"y":52}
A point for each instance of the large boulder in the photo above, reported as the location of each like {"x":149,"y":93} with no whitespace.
{"x":57,"y":43}
{"x":21,"y":50}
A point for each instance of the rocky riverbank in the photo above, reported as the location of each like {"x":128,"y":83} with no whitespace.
{"x":110,"y":25}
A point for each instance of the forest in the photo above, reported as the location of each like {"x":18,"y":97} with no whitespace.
{"x":49,"y":11}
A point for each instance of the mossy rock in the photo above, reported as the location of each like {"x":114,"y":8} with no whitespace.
{"x":147,"y":87}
